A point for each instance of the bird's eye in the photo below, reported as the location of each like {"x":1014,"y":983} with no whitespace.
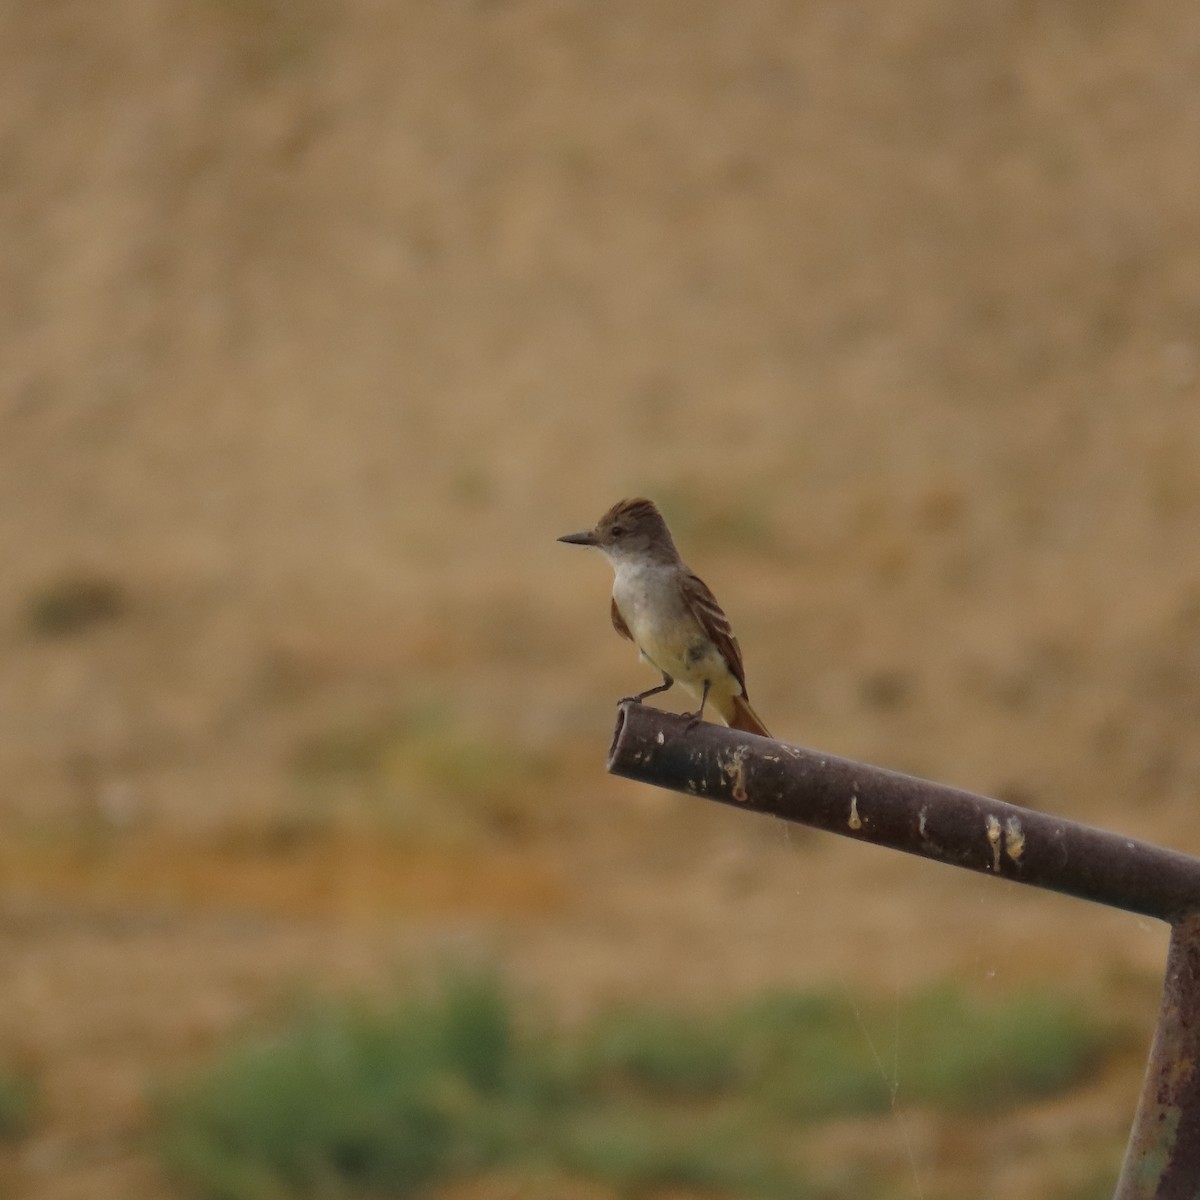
{"x":617,"y":530}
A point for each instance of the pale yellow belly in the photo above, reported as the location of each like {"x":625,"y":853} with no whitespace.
{"x":669,"y":638}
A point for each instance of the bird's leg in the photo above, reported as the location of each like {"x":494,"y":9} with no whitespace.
{"x":667,"y":683}
{"x":694,"y":718}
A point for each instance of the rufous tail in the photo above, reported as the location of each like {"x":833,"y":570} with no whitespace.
{"x":743,"y":717}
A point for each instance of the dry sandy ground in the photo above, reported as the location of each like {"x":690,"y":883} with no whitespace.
{"x":319,"y":322}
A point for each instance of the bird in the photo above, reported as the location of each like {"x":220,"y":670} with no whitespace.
{"x":669,"y":614}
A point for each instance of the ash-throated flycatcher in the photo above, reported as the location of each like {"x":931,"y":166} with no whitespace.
{"x":669,"y":614}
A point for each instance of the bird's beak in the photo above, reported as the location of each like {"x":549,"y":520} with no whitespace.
{"x":586,"y":538}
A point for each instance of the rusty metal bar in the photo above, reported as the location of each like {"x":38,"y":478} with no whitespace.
{"x":1162,"y":1161}
{"x":959,"y":828}
{"x":890,"y":809}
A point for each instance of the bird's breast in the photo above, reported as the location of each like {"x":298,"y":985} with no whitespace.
{"x":653,"y":609}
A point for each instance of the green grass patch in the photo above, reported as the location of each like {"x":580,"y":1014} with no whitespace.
{"x":636,"y":1150}
{"x":816,"y":1055}
{"x":18,"y":1098}
{"x":361,"y":1101}
{"x":965,"y":1056}
{"x":421,"y":773}
{"x":355,"y":1101}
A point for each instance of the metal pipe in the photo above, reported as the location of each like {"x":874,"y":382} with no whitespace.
{"x":1162,"y":1160}
{"x":889,"y":809}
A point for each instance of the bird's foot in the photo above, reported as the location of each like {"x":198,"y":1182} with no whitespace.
{"x":694,"y":719}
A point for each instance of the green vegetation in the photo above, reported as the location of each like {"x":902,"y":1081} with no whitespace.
{"x":422,"y":773}
{"x":358,"y":1101}
{"x":814,"y":1055}
{"x":72,"y":603}
{"x":18,"y":1095}
{"x":964,"y":1057}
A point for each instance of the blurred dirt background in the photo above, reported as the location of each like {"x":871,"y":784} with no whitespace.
{"x":321,"y":321}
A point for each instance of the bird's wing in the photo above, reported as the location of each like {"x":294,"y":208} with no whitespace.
{"x":619,"y":622}
{"x":704,"y":607}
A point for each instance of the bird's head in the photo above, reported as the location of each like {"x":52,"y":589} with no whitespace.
{"x":630,"y":528}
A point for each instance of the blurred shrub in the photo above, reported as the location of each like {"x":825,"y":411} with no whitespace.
{"x":814,"y":1055}
{"x":18,"y":1096}
{"x":72,"y":602}
{"x":966,"y":1056}
{"x":358,"y":1101}
{"x":354,"y":1101}
{"x":660,"y":1051}
{"x":425,"y":773}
